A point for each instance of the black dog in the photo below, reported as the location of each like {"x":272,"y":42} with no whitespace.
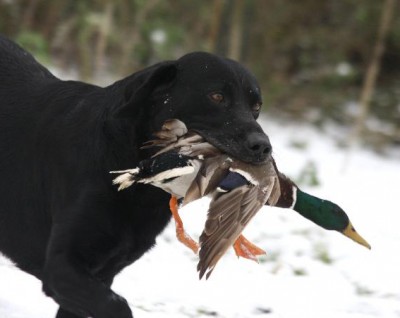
{"x":61,"y":219}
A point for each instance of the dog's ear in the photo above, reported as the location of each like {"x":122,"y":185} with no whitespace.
{"x":142,"y":85}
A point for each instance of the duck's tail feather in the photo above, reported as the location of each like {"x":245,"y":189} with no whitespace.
{"x":126,"y":179}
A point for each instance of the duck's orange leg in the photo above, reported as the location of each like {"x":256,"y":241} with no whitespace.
{"x":244,"y":248}
{"x":182,"y":236}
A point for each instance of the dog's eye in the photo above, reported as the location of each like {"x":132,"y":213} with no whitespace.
{"x":256,"y":107}
{"x":217,"y":97}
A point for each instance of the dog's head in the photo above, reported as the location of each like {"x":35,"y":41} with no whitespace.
{"x":216,"y":97}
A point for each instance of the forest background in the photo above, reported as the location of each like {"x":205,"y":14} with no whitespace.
{"x":316,"y":61}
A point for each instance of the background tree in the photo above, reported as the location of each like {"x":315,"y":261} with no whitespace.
{"x":311,"y":57}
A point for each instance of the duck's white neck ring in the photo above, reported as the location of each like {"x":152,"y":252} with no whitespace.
{"x":294,"y":197}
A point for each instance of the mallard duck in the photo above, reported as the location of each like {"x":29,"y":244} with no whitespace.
{"x":189,"y":168}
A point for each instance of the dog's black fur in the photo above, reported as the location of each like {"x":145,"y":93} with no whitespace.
{"x":61,"y":219}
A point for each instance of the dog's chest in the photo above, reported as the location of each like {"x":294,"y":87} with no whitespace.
{"x":136,"y":234}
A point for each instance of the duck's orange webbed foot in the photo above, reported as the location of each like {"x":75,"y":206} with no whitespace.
{"x":244,"y":248}
{"x":182,"y":236}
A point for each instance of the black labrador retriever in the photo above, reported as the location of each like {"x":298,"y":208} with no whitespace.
{"x":61,"y":219}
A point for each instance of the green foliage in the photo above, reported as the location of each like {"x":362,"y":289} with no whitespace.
{"x":308,"y":175}
{"x":299,"y":272}
{"x":321,"y":253}
{"x":206,"y":312}
{"x":363,"y":291}
{"x":309,"y":56}
{"x":301,"y":145}
{"x":35,"y":43}
{"x":162,"y":38}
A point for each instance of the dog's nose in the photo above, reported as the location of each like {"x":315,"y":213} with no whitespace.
{"x":259,"y":146}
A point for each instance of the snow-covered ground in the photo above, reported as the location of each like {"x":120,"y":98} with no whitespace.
{"x":307,"y":272}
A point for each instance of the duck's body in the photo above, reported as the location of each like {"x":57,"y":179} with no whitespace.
{"x":189,"y":168}
{"x":235,"y":201}
{"x":170,"y":171}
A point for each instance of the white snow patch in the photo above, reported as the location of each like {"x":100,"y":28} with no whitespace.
{"x":307,"y":272}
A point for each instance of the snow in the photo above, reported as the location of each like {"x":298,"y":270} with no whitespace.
{"x":307,"y":272}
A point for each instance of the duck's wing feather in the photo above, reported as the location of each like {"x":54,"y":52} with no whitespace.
{"x":275,"y":192}
{"x":192,"y":145}
{"x":170,"y":132}
{"x":228,"y":215}
{"x":208,"y":178}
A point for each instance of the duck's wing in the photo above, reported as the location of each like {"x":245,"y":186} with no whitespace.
{"x":260,"y":175}
{"x":191,"y":144}
{"x":157,"y":170}
{"x":228,"y":215}
{"x":212,"y":171}
{"x":275,"y":192}
{"x":198,"y":148}
{"x":185,"y":142}
{"x":170,"y":132}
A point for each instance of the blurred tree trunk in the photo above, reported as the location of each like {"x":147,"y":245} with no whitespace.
{"x":104,"y":31}
{"x":249,"y":21}
{"x":63,"y":33}
{"x":85,"y":30}
{"x":52,"y":19}
{"x":133,"y":35}
{"x":373,"y":69}
{"x":218,"y":9}
{"x":28,"y":15}
{"x":85,"y":54}
{"x":236,"y":33}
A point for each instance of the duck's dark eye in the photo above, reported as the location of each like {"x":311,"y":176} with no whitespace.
{"x":216,"y":97}
{"x":256,"y":107}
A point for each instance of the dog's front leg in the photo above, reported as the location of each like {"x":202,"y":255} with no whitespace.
{"x":62,"y":313}
{"x":68,"y":281}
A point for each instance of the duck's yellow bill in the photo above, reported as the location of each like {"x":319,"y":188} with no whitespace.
{"x":351,"y":233}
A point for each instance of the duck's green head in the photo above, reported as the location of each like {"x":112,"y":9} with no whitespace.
{"x":326,"y":214}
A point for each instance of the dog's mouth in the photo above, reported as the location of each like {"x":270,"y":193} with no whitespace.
{"x":253,"y":148}
{"x":233,"y":149}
